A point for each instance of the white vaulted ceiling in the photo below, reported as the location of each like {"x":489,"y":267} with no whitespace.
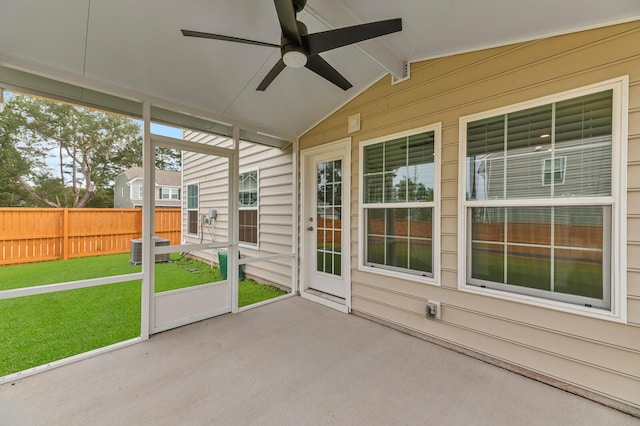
{"x":135,"y":46}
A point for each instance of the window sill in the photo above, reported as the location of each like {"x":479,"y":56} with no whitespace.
{"x":399,"y":275}
{"x":586,"y":311}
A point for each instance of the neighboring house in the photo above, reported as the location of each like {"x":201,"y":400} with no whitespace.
{"x":128,"y":188}
{"x":265,"y":197}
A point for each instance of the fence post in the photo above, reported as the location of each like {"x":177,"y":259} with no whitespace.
{"x":65,"y":234}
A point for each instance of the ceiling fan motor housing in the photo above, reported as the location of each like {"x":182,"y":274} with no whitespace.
{"x":294,"y":56}
{"x":298,"y":5}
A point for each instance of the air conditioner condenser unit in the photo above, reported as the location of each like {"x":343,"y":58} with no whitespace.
{"x":136,"y":251}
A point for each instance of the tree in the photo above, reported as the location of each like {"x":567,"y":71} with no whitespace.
{"x":411,"y":190}
{"x":11,"y":164}
{"x":60,"y":155}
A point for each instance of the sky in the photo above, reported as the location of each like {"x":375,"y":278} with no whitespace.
{"x":160,"y":129}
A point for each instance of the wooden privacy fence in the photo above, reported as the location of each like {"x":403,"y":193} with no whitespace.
{"x":35,"y":235}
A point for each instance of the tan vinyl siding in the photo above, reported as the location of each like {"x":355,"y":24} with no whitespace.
{"x":275,"y":203}
{"x":597,"y":355}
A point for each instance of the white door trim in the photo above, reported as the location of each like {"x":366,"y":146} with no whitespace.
{"x":341,"y":147}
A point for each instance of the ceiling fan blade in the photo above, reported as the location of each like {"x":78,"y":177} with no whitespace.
{"x":321,"y":67}
{"x":198,"y":34}
{"x":266,"y":81}
{"x":287,"y":18}
{"x":332,"y":39}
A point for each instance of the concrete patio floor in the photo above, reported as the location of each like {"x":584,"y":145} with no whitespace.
{"x":292,"y":362}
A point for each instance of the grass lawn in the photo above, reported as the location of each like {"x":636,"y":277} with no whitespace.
{"x":35,"y":330}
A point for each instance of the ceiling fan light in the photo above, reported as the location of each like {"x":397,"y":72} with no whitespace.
{"x":294,"y":59}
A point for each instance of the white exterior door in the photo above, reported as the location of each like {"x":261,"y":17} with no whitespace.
{"x":325,"y":260}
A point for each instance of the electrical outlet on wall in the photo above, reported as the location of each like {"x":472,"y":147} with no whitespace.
{"x":433,"y":310}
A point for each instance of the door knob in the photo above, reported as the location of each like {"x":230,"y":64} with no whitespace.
{"x":310,"y":228}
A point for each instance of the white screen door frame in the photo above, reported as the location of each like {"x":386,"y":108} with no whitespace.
{"x":332,"y":288}
{"x":176,"y":308}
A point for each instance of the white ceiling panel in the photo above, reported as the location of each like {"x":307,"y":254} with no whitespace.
{"x":438,"y":27}
{"x":136,"y":46}
{"x":154,"y":57}
{"x":44,"y":32}
{"x":299,"y":92}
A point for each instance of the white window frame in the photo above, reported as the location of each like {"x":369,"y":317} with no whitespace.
{"x":140,"y":192}
{"x":171,"y":190}
{"x":546,"y":171}
{"x":244,"y":244}
{"x":617,"y":202}
{"x":197,"y":209}
{"x":435,"y":205}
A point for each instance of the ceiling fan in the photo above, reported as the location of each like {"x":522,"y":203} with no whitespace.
{"x":300,"y":49}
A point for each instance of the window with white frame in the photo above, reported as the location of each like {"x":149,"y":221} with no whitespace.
{"x":556,"y":240}
{"x":166,"y":193}
{"x":248,"y":207}
{"x":398,"y":184}
{"x":140,"y":192}
{"x":553,"y":170}
{"x":192,"y":208}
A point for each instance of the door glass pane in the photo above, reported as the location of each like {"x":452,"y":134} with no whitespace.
{"x":337,"y":262}
{"x":329,"y":216}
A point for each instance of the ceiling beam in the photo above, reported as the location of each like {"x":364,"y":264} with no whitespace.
{"x":334,"y":14}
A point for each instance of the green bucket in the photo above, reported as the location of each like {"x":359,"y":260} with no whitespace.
{"x":222,"y":261}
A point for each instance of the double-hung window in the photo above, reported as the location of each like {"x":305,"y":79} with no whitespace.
{"x":551,"y":238}
{"x":192,"y":208}
{"x":553,"y":170}
{"x":248,"y":206}
{"x":398,"y":204}
{"x":166,"y":193}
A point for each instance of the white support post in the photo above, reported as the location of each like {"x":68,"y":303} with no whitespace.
{"x":295,"y":211}
{"x":232,"y":257}
{"x":148,"y":225}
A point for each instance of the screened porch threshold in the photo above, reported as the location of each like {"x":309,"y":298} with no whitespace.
{"x":290,"y":362}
